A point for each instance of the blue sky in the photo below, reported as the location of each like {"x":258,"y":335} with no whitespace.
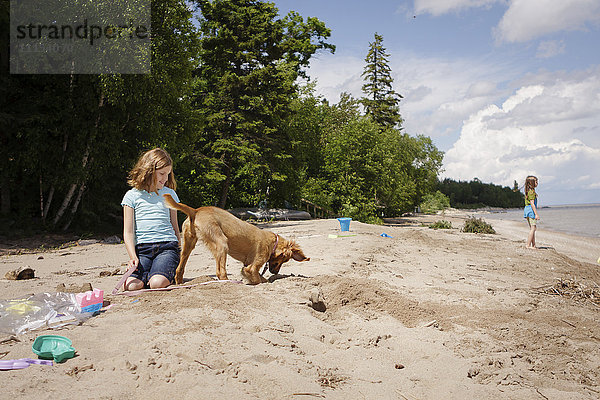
{"x":506,"y":88}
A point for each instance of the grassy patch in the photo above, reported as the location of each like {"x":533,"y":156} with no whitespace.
{"x":477,"y":225}
{"x":441,"y":224}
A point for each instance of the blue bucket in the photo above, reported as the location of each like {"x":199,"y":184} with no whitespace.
{"x":344,"y":224}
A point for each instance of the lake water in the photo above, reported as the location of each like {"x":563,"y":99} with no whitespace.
{"x":578,"y":219}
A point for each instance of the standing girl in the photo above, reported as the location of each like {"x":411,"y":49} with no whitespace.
{"x":150,"y":230}
{"x":530,"y":212}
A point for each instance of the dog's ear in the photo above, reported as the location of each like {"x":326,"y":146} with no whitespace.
{"x":297,"y":253}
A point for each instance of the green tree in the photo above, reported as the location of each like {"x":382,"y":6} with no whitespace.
{"x":69,"y":140}
{"x":381,"y":101}
{"x":250,"y":61}
{"x":360,"y":169}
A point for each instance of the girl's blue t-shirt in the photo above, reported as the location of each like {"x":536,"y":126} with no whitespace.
{"x":151,"y":216}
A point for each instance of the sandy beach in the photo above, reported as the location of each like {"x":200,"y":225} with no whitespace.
{"x":423,"y":314}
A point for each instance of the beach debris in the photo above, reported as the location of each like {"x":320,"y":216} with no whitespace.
{"x":399,"y":366}
{"x":316,"y":300}
{"x":575,"y":290}
{"x":441,"y":224}
{"x":20,"y":274}
{"x":477,"y":225}
{"x":433,"y":323}
{"x":331,"y":236}
{"x":386,"y":235}
{"x":8,"y":339}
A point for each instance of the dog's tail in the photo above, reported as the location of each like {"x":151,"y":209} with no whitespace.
{"x":189,"y":211}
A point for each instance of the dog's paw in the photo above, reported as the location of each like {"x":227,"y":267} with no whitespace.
{"x":249,"y":279}
{"x":245,"y":278}
{"x":178,"y":279}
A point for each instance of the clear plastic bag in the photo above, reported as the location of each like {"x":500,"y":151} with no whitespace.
{"x":42,"y":310}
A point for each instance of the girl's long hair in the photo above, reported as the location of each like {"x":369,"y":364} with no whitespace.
{"x":530,"y":183}
{"x":142,"y":175}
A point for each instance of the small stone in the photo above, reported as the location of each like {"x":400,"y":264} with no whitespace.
{"x":399,"y":366}
{"x":20,"y":274}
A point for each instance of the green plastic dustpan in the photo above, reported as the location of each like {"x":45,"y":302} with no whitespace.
{"x":53,"y":346}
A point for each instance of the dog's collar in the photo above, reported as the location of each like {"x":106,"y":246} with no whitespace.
{"x":272,"y":254}
{"x":275,"y":247}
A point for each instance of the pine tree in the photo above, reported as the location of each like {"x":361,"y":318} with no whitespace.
{"x":249,"y":64}
{"x":381,"y":101}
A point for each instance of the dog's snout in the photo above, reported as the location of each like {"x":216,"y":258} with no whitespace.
{"x":274,"y":268}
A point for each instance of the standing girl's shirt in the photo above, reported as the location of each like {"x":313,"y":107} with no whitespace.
{"x":530,"y":197}
{"x":151,"y":216}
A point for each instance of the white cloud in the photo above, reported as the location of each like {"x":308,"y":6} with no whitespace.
{"x":550,"y":48}
{"x":549,"y":128}
{"x":440,"y":7}
{"x":529,"y":19}
{"x":438,"y":94}
{"x":335,"y":74}
{"x":526,"y":20}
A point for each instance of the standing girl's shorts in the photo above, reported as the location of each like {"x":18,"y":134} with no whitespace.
{"x":156,"y":258}
{"x":529,"y":215}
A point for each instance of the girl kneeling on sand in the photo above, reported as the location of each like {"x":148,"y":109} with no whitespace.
{"x":530,"y":212}
{"x":150,"y":229}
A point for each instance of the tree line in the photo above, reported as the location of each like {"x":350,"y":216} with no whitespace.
{"x":476,"y":194}
{"x":231,"y":100}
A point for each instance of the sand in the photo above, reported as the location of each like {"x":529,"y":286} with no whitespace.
{"x":425,"y":314}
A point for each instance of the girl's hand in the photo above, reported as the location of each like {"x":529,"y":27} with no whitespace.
{"x":134,"y":262}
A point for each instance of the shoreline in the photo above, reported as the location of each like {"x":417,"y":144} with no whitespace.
{"x":577,"y":246}
{"x":508,"y":215}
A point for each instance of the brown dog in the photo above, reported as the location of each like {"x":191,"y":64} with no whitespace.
{"x":223,"y":234}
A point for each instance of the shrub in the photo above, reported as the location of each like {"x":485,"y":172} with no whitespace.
{"x":477,"y":225}
{"x":435,"y":202}
{"x":442,"y":224}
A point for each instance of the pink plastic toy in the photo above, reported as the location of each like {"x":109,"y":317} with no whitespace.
{"x":90,"y":301}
